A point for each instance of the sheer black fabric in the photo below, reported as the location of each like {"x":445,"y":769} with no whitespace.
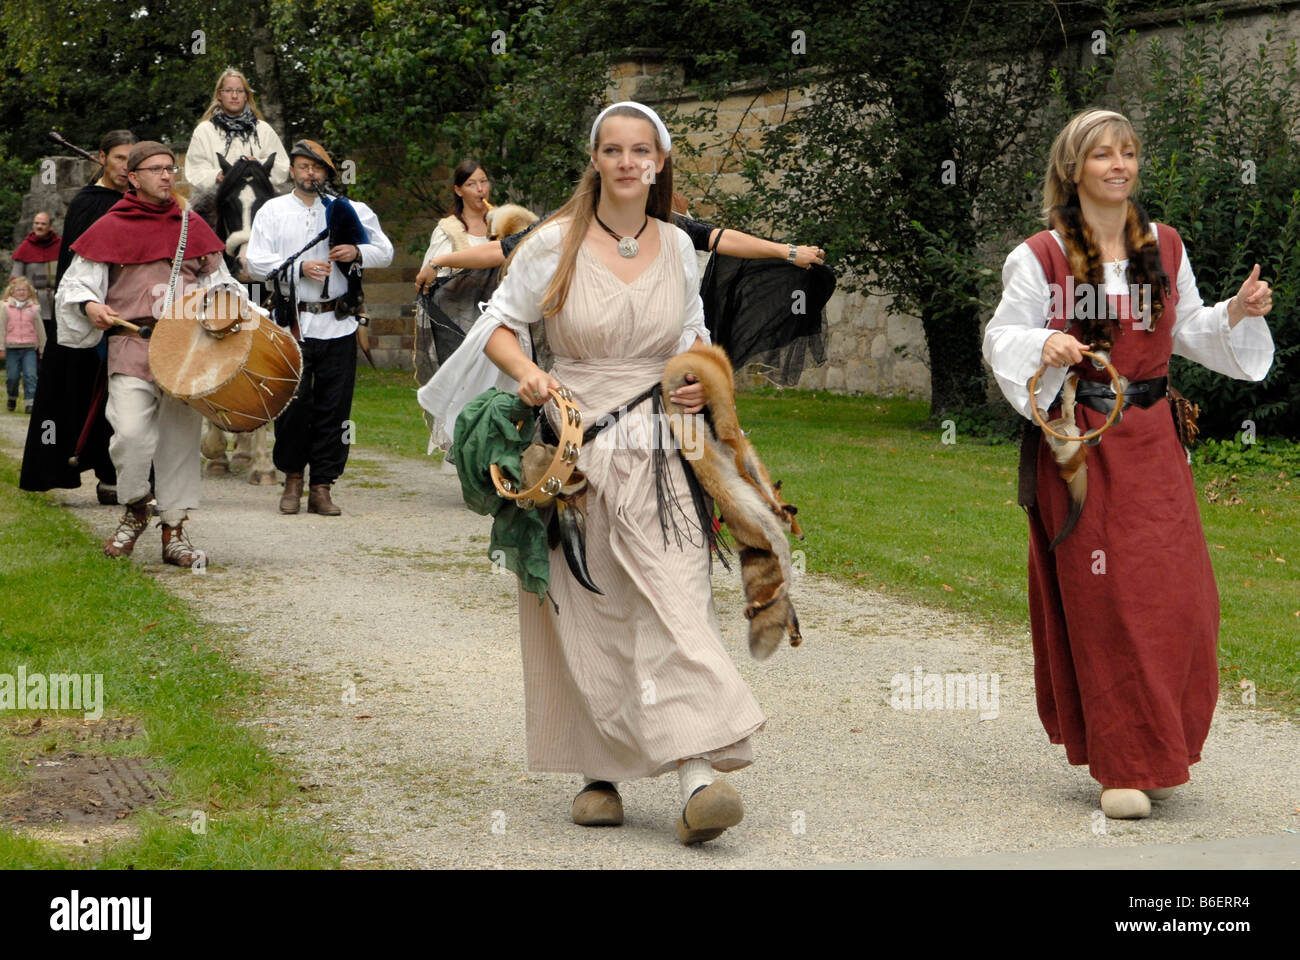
{"x":445,"y":315}
{"x":768,"y":311}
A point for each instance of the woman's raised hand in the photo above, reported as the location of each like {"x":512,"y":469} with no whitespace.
{"x":1254,"y":299}
{"x":1063,"y":350}
{"x":807,"y":256}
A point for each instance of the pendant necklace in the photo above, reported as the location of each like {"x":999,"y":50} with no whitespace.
{"x":627,"y":246}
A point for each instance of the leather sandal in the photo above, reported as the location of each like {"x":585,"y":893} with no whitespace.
{"x":177,"y":549}
{"x":1124,"y":803}
{"x":134,"y":519}
{"x":598,"y":805}
{"x":710,"y":810}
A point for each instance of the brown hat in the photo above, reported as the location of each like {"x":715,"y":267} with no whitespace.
{"x":313,"y":151}
{"x":145,"y":149}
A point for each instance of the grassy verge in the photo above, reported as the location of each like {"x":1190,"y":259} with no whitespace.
{"x":67,"y":608}
{"x":886,"y":503}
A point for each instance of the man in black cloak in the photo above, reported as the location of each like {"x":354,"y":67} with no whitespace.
{"x":66,"y":385}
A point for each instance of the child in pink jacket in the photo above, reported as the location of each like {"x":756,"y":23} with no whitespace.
{"x":22,"y":340}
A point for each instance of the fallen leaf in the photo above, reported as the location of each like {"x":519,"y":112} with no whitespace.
{"x":1219,"y":546}
{"x":946,"y":587}
{"x":150,"y":626}
{"x":194,"y":648}
{"x":362,"y":716}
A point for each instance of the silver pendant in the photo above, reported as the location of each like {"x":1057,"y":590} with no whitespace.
{"x":628,"y":247}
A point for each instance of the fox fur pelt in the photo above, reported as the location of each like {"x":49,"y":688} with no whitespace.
{"x":509,"y":218}
{"x":747,"y":500}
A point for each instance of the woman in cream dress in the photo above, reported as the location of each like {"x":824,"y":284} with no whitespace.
{"x":636,"y":682}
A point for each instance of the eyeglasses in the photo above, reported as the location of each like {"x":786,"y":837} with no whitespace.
{"x":232,"y":90}
{"x":158,"y":170}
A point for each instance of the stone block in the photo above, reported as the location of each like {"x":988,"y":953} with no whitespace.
{"x":858,"y":378}
{"x":879,"y":347}
{"x":812,"y":378}
{"x":834,"y":379}
{"x":912,"y":378}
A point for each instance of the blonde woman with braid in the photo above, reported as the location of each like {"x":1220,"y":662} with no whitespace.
{"x":1123,"y":607}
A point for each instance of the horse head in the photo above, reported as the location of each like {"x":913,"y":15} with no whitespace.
{"x":245,"y":186}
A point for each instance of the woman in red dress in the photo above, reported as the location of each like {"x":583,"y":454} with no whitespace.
{"x":1124,"y":610}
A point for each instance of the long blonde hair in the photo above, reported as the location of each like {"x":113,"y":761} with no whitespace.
{"x":1072,"y":146}
{"x":215,"y":105}
{"x":9,"y":289}
{"x":580,"y":210}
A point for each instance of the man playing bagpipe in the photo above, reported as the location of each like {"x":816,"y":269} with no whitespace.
{"x":318,"y":296}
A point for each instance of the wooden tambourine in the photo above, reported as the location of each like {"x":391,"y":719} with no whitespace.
{"x":561,"y":466}
{"x":1116,"y":384}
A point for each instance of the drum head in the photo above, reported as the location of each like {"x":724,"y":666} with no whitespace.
{"x":188,"y":361}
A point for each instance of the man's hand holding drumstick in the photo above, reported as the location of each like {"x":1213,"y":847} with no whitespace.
{"x":102,"y":315}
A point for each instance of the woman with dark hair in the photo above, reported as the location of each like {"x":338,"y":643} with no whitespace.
{"x":466,"y":226}
{"x":1123,"y":605}
{"x":72,"y":382}
{"x":635,"y":682}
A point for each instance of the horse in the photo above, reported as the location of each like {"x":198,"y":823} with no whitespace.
{"x":245,"y":186}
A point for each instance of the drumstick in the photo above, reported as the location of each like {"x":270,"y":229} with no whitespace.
{"x":144,"y":332}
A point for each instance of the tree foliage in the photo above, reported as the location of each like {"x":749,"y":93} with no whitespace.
{"x":422,"y":86}
{"x":914,"y":157}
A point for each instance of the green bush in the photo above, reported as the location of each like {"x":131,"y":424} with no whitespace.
{"x":1265,"y":453}
{"x":1220,"y":163}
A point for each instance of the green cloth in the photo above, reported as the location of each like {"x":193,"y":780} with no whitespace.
{"x":485,"y":434}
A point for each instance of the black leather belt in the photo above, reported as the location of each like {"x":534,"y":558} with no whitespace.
{"x":1139,"y":393}
{"x":323,"y":306}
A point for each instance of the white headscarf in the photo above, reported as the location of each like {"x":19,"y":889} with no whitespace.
{"x":665,"y":140}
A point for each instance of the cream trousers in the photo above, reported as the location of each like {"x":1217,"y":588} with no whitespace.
{"x":153,"y":429}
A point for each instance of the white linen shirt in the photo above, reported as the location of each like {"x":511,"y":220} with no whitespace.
{"x":280,"y":229}
{"x":516,"y":304}
{"x":1014,"y":337}
{"x":440,"y":243}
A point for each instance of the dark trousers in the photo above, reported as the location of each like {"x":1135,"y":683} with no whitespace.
{"x":314,"y":430}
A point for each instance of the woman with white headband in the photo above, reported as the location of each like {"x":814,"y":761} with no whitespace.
{"x":635,"y":682}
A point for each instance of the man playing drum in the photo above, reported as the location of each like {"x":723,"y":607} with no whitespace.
{"x":313,"y":430}
{"x":117,"y":282}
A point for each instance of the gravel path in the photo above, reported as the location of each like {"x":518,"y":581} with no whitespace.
{"x":396,"y":603}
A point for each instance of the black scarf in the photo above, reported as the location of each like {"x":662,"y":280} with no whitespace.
{"x":243,"y":126}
